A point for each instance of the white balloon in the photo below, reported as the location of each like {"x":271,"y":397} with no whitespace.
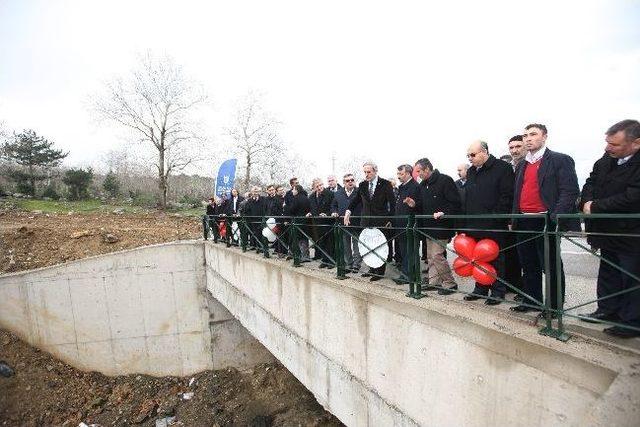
{"x":271,"y":223}
{"x":235,"y":232}
{"x":270,"y":235}
{"x":373,"y":247}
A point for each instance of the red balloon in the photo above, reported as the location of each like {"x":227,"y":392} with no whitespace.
{"x":486,"y":250}
{"x":464,"y":245}
{"x":484,"y":278}
{"x":222,"y":228}
{"x":462,"y":267}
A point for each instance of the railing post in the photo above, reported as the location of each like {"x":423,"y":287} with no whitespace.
{"x":216,"y":231}
{"x":413,"y":253}
{"x":228,"y":231}
{"x":243,"y":234}
{"x":265,"y":241}
{"x":549,"y":330}
{"x":205,"y":229}
{"x":295,"y":245}
{"x":338,"y":234}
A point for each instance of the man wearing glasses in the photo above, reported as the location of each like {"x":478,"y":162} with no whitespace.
{"x":489,"y":190}
{"x":343,"y":197}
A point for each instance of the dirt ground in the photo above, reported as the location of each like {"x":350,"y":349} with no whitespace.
{"x":46,"y":392}
{"x":30,"y":240}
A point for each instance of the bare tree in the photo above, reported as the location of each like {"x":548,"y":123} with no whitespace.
{"x":254,"y":132}
{"x":157,"y":104}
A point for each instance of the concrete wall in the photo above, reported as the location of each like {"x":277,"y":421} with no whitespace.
{"x":372,"y":356}
{"x":139,"y":311}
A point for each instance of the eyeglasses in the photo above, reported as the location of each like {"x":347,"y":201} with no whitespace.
{"x":472,"y":155}
{"x":349,"y":180}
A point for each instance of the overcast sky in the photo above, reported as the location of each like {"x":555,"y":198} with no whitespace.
{"x":391,"y":81}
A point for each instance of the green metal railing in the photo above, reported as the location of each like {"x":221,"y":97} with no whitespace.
{"x":296,"y":230}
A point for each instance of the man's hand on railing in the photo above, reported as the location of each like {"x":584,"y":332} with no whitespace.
{"x":309,"y":214}
{"x":323,"y":214}
{"x":409,"y":202}
{"x":334,"y":214}
{"x":347,"y":216}
{"x":438,"y":215}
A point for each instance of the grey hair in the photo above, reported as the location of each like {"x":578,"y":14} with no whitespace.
{"x":373,"y":166}
{"x":484,"y":146}
{"x":407,"y":168}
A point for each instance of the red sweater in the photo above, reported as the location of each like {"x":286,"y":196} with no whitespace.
{"x":530,"y":201}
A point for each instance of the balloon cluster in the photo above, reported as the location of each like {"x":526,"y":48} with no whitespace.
{"x":474,"y":258}
{"x":222,"y":229}
{"x":271,"y":230}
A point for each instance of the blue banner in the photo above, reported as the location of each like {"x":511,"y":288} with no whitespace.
{"x":226,"y":177}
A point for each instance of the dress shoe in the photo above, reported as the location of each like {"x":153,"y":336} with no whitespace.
{"x":448,"y":291}
{"x":375,"y":278}
{"x":620,"y":332}
{"x":599,"y":316}
{"x":323,"y":265}
{"x":367,"y":274}
{"x":524,"y":309}
{"x":400,"y":281}
{"x":472,"y":297}
{"x":492,"y":301}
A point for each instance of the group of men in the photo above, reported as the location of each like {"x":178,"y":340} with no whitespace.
{"x":536,"y":183}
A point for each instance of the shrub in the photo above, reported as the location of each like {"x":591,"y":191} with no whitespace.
{"x":51,"y":193}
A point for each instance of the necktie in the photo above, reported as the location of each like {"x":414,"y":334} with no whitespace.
{"x":370,"y":188}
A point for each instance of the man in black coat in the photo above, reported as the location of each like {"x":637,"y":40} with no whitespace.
{"x":232,"y":207}
{"x":614,"y":187}
{"x":408,"y":202}
{"x":439,"y":196}
{"x":341,"y":200}
{"x":375,"y":195}
{"x":489,"y":190}
{"x":254,"y":211}
{"x":320,"y":202}
{"x":546,"y":182}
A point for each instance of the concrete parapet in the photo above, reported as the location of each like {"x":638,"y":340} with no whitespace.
{"x":139,"y":311}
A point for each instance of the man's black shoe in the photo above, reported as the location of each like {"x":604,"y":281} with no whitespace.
{"x":448,"y":291}
{"x":323,"y":265}
{"x":492,"y":301}
{"x":367,"y":274}
{"x":375,"y":278}
{"x":400,"y":281}
{"x":599,"y":316}
{"x":524,"y":309}
{"x":472,"y":297}
{"x":620,"y":332}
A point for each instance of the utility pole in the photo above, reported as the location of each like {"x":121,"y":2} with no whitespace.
{"x":333,"y":162}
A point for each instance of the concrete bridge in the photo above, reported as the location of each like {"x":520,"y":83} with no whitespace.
{"x":370,"y":355}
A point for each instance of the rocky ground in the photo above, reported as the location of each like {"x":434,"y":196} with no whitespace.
{"x":44,"y":391}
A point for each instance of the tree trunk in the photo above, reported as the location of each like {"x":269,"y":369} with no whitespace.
{"x":32,"y":181}
{"x":247,"y":175}
{"x":162,"y":180}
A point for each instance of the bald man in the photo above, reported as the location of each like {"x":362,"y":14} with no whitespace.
{"x":489,"y":190}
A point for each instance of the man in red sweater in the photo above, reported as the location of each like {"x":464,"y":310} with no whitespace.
{"x":546,"y":183}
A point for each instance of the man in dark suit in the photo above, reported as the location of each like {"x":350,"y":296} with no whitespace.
{"x":489,"y":190}
{"x":546,"y":182}
{"x":614,"y":187}
{"x":254,"y":210}
{"x":232,"y":207}
{"x":408,"y":202}
{"x":375,"y":195}
{"x":341,"y":201}
{"x":320,"y":201}
{"x":332,"y":184}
